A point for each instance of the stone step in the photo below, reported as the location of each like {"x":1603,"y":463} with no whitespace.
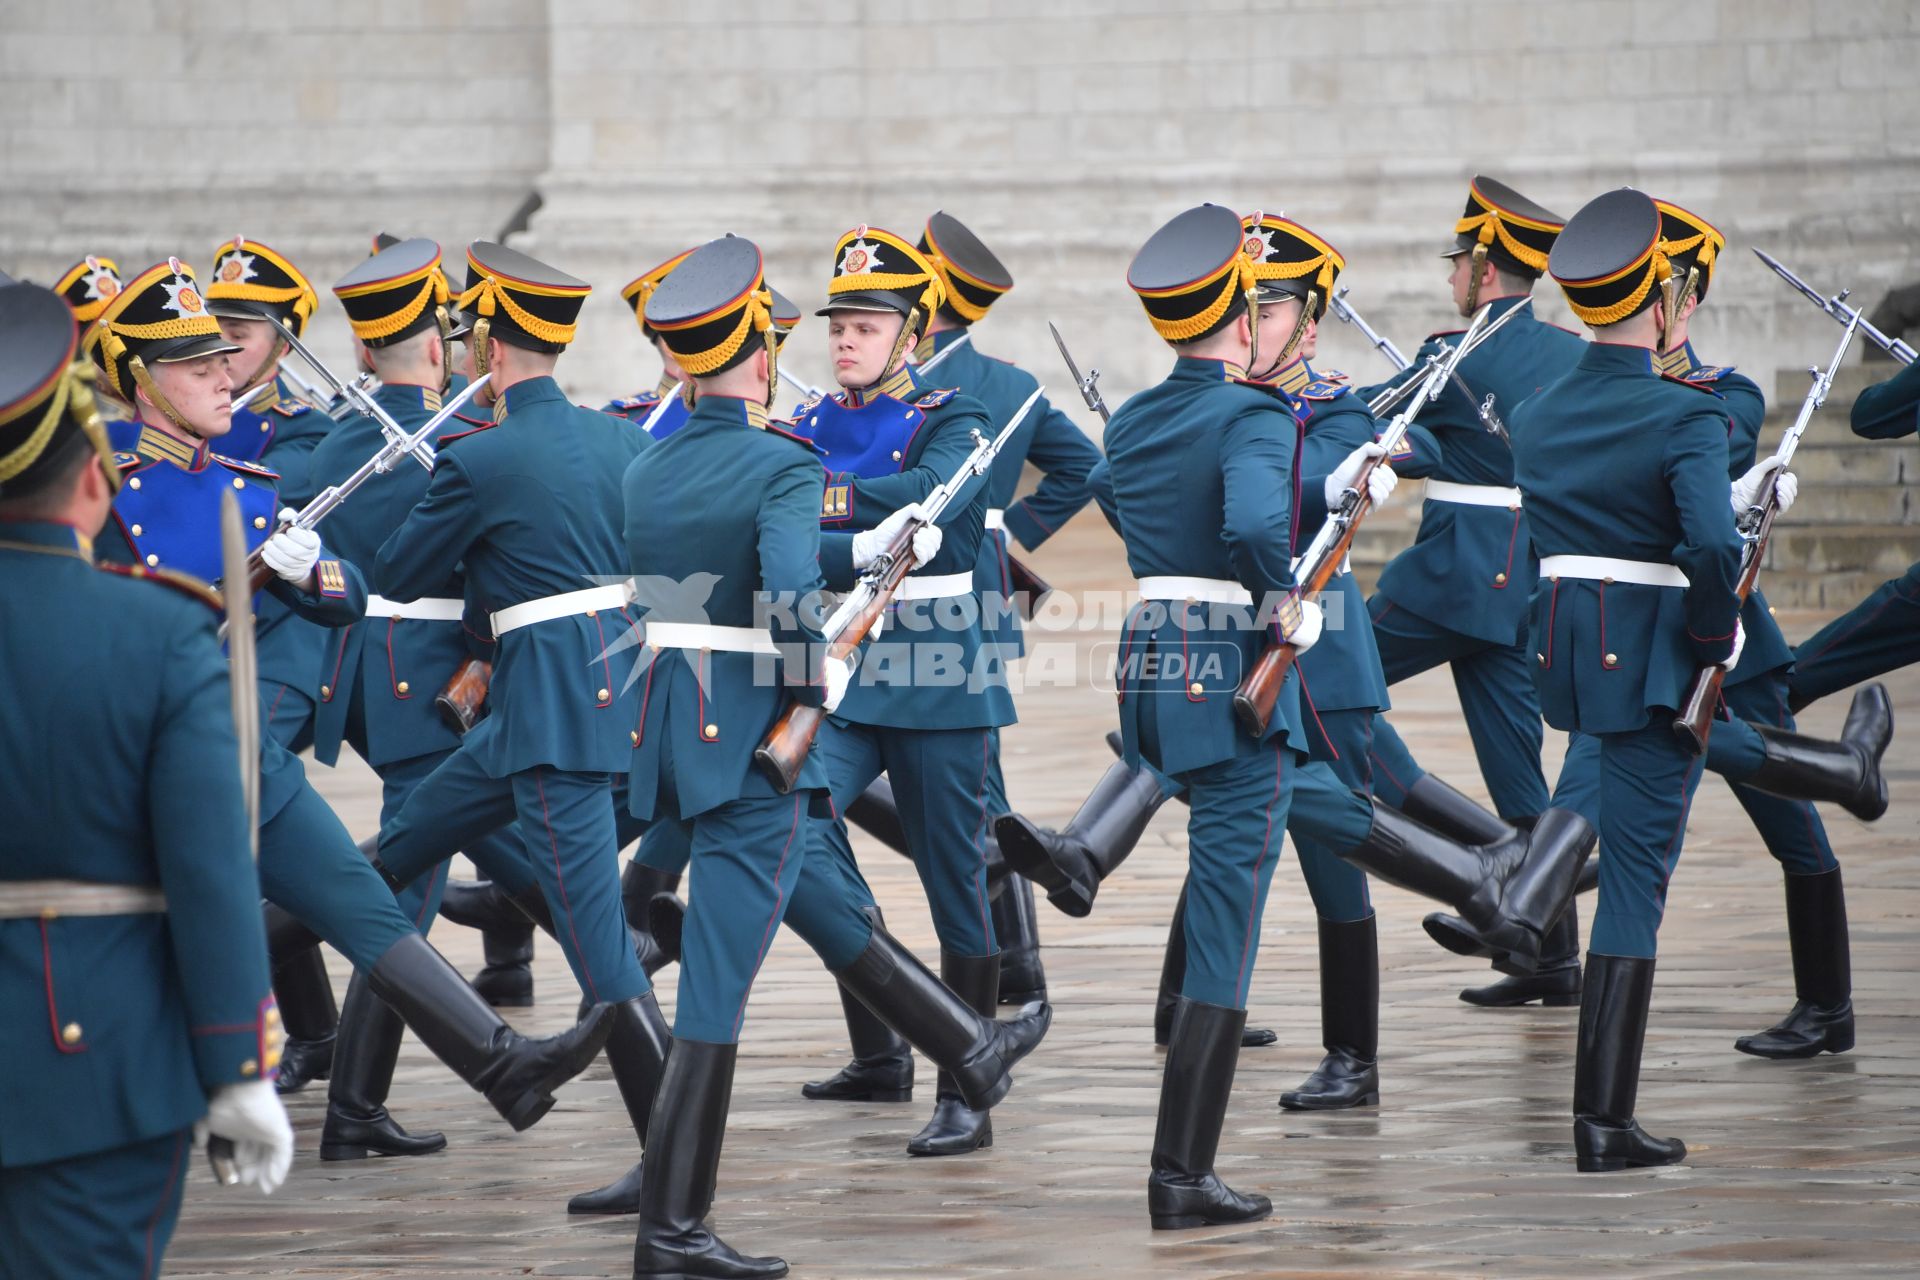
{"x":1885,"y":549}
{"x":1849,"y":461}
{"x":1879,"y":504}
{"x":1827,"y":592}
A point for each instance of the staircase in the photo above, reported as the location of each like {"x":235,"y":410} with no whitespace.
{"x":1856,"y":524}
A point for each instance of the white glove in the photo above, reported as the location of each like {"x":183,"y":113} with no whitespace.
{"x":292,"y":553}
{"x":1739,"y":643}
{"x":869,"y":543}
{"x":839,"y":674}
{"x":252,"y":1117}
{"x":1313,"y":620}
{"x":1348,"y":471}
{"x":1751,"y":487}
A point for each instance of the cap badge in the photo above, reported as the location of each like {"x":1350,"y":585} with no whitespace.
{"x":860,"y":256}
{"x":182,"y":298}
{"x":101,"y":284}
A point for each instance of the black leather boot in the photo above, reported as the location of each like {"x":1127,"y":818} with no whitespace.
{"x":1016,"y":925}
{"x":1821,"y":1020}
{"x":1349,"y":1076}
{"x":1432,"y":803}
{"x":1070,"y":864}
{"x":506,"y":940}
{"x":682,"y":1169}
{"x":516,"y":1073}
{"x":666,"y":917}
{"x":1606,"y":1069}
{"x":1554,"y":982}
{"x":1846,"y":773}
{"x":1173,"y":976}
{"x":955,"y":1128}
{"x":1510,"y":915}
{"x":976,"y":1052}
{"x":639,"y":885}
{"x":358,"y":1124}
{"x":637,"y":1052}
{"x":1183,"y":1190}
{"x":304,"y":993}
{"x":882,"y":1066}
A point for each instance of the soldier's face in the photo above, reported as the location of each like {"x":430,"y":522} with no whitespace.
{"x":860,"y":342}
{"x":1276,"y":326}
{"x":668,"y":365}
{"x":200,"y":391}
{"x":257,"y":341}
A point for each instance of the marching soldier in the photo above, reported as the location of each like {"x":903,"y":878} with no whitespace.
{"x":160,"y":349}
{"x":1624,"y":476}
{"x":132,"y":963}
{"x":641,"y":405}
{"x":88,"y":286}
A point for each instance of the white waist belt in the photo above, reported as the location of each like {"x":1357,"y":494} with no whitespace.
{"x":1211,"y":590}
{"x":1473,"y":495}
{"x":566,"y":605}
{"x":432,"y":609}
{"x":702,"y":635}
{"x":935,"y":586}
{"x":1645,"y":573}
{"x":996,"y":517}
{"x":50,"y":899}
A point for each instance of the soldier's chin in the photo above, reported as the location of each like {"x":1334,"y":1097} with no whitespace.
{"x":220,"y":422}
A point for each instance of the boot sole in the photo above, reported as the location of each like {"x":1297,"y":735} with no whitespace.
{"x":1314,"y":1104}
{"x":872,"y":1095}
{"x":1559,"y":1000}
{"x":1615,"y":1164}
{"x":1189,"y":1221}
{"x":1811,"y":1051}
{"x":981,"y":1145}
{"x":353,"y":1151}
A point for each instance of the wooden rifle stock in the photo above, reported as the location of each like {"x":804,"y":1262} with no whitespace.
{"x":1695,"y":721}
{"x":783,"y":752}
{"x":1029,"y":588}
{"x":460,"y":701}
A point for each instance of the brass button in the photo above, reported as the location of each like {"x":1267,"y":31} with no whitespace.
{"x":1499,"y":579}
{"x":70,"y":1034}
{"x":259,"y":522}
{"x":326,"y":691}
{"x":152,"y":561}
{"x":590,"y":613}
{"x":1611,"y":660}
{"x":137,"y":531}
{"x":604,"y":696}
{"x":249,"y":1068}
{"x":1555,"y":579}
{"x":712,"y":731}
{"x":1542,"y":657}
{"x":134,"y":483}
{"x":402,"y":687}
{"x":1771,"y":611}
{"x":1607,"y":582}
{"x":238,"y":483}
{"x":635,"y":735}
{"x":896,"y":455}
{"x":273,"y":1015}
{"x":1196,"y":688}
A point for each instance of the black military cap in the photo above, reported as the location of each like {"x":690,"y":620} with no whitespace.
{"x":1691,"y":243}
{"x":641,"y":287}
{"x":1290,"y":261}
{"x":1192,"y":275}
{"x":1516,"y":233}
{"x":876,"y":270}
{"x":714,"y":309}
{"x":398,"y":292}
{"x":382,"y":240}
{"x":46,"y":400}
{"x":973,"y":277}
{"x":88,"y":286}
{"x":786,"y":316}
{"x":250,"y":282}
{"x":523,"y":301}
{"x":158,"y":318}
{"x":1608,"y":260}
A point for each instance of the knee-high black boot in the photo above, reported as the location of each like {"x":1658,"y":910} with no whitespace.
{"x":955,"y":1128}
{"x":1846,"y":773}
{"x":1606,"y":1070}
{"x":1183,"y":1190}
{"x":639,"y":884}
{"x":682,"y":1170}
{"x":1554,"y":982}
{"x":304,"y":993}
{"x":1016,"y":925}
{"x":1173,"y":976}
{"x":358,"y":1124}
{"x":976,"y":1052}
{"x":516,"y":1073}
{"x":1070,"y":863}
{"x":882,"y":1066}
{"x":637,"y":1051}
{"x":1349,"y":1076}
{"x":1822,"y":1015}
{"x":1432,"y":803}
{"x":506,"y":940}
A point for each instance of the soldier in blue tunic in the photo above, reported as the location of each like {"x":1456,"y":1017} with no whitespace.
{"x":132,"y":964}
{"x":158,"y":346}
{"x":88,"y":286}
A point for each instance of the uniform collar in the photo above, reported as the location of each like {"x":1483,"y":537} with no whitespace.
{"x":523,"y":394}
{"x":46,"y":535}
{"x":1679,"y":362}
{"x":1295,"y":376}
{"x":731,"y":410}
{"x":664,"y":387}
{"x":163,"y":446}
{"x":1206,"y":369}
{"x":1618,"y":357}
{"x":933,"y":344}
{"x":899,"y":384}
{"x":408,"y":395}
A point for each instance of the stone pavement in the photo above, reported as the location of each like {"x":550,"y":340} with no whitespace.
{"x":1466,"y":1164}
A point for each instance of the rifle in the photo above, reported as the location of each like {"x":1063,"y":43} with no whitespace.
{"x":785,"y":749}
{"x":354,"y":393}
{"x":1840,"y":311}
{"x":807,"y":392}
{"x":459,"y":702}
{"x":389,"y":455}
{"x":1314,"y":568}
{"x":1089,"y":386}
{"x":1695,"y":720}
{"x":1387,"y":400}
{"x":1344,"y":309}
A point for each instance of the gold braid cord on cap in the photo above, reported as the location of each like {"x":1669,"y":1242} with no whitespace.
{"x":1655,"y":268}
{"x":755,"y":317}
{"x":968,"y":310}
{"x":1236,"y":277}
{"x":72,"y":393}
{"x":489,"y":297}
{"x":432,"y":289}
{"x":1492,"y":225}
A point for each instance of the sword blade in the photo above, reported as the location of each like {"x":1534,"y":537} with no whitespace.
{"x":242,"y":663}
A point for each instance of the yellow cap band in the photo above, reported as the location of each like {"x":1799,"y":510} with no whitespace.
{"x":755,"y":317}
{"x":1657,"y":268}
{"x":1492,"y":225}
{"x":432,"y":289}
{"x":489,"y":296}
{"x":1237,"y":278}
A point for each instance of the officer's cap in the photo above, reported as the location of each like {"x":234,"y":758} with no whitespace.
{"x":876,"y":270}
{"x":974,"y":279}
{"x":45,"y":394}
{"x":1290,"y":261}
{"x":1192,"y":275}
{"x":641,"y":287}
{"x":1518,"y":234}
{"x":525,"y":302}
{"x":88,"y":286}
{"x":1608,"y":261}
{"x":714,"y":309}
{"x":158,"y":318}
{"x":1689,"y":241}
{"x":394,"y":294}
{"x":249,"y":281}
